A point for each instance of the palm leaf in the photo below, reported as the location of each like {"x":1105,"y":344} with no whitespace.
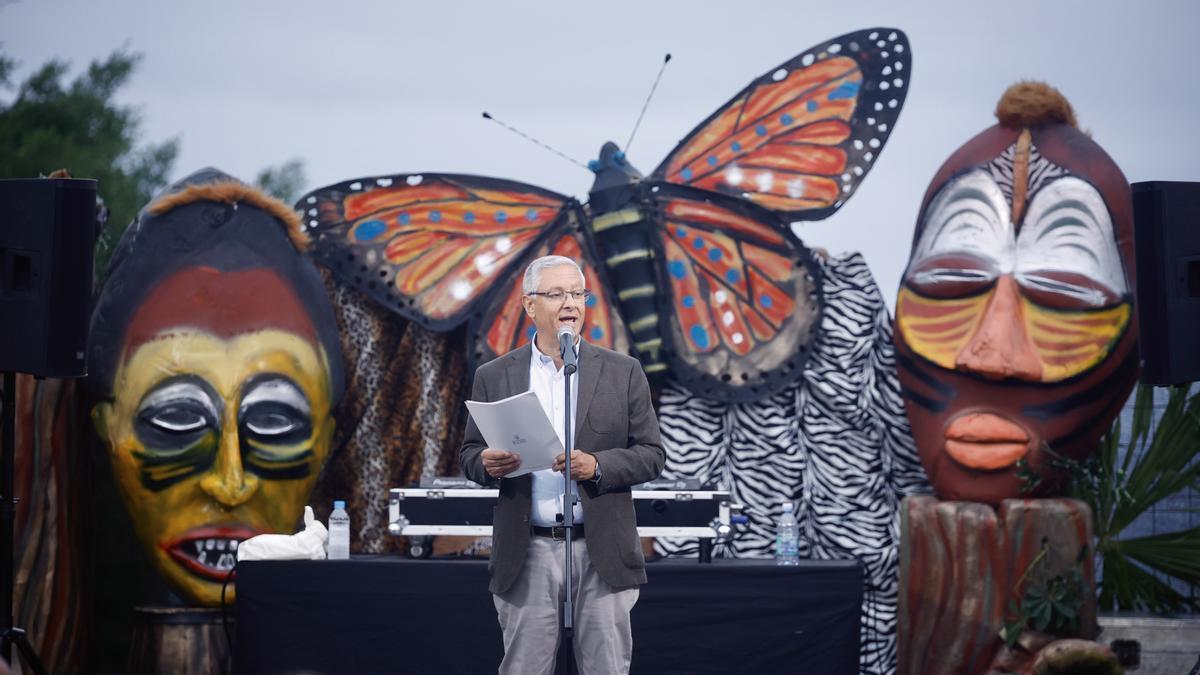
{"x":1174,"y":553}
{"x":1126,"y":586}
{"x":1157,"y":464}
{"x":1166,"y":466}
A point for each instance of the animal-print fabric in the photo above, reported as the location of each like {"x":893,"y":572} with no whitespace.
{"x":837,"y":443}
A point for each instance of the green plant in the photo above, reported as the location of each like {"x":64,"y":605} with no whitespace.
{"x":1121,"y":488}
{"x":1049,"y":604}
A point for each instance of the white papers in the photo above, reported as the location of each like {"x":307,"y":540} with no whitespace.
{"x":518,"y":424}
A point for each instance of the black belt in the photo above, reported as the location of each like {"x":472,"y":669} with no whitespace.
{"x":557,"y":532}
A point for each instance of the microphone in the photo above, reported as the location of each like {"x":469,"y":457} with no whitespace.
{"x":566,"y":347}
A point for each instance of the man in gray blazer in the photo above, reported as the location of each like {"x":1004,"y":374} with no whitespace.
{"x":618,"y":446}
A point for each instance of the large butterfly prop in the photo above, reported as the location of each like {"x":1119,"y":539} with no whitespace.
{"x":695,"y":269}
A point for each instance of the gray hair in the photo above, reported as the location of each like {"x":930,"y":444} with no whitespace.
{"x":533,"y":273}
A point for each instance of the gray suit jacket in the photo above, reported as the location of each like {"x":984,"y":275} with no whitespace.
{"x":616,"y":423}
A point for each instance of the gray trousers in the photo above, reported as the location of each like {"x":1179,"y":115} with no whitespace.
{"x":529,"y":614}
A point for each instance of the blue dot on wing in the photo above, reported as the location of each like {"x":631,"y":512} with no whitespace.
{"x":590,"y":302}
{"x":530,"y":332}
{"x":714,"y":254}
{"x":596,"y":333}
{"x":531,"y":215}
{"x":698,"y":243}
{"x":369,"y":230}
{"x":681,"y":233}
{"x":761,"y":130}
{"x":845,"y":90}
{"x":736,"y":147}
{"x":686,"y":174}
{"x":699,"y":336}
{"x":732,"y":276}
{"x":469,"y":217}
{"x":435,"y":216}
{"x":786,"y":119}
{"x":403,"y":218}
{"x":688,"y":301}
{"x":765,"y":300}
{"x":712,"y":160}
{"x":676,"y":269}
{"x":812,"y":106}
{"x":501,"y":216}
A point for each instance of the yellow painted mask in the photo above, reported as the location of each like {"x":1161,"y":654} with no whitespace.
{"x":216,"y":373}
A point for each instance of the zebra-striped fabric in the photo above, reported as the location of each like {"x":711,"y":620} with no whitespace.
{"x":837,"y":443}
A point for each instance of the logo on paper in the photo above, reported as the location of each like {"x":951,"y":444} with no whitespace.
{"x":517,"y":440}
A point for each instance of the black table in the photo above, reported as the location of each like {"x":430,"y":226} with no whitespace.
{"x":385,"y":614}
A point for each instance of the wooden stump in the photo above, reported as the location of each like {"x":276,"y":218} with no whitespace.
{"x":179,"y":640}
{"x":959,"y":564}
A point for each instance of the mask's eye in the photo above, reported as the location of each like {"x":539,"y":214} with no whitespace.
{"x":275,"y":415}
{"x":1063,"y":290}
{"x":175,"y":415}
{"x":1067,"y":249}
{"x":272,"y":423}
{"x":951,"y":276}
{"x":965,"y":237}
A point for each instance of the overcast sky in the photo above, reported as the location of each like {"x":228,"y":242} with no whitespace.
{"x":371,"y":88}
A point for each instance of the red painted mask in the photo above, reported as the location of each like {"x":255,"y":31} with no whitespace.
{"x":1016,"y":332}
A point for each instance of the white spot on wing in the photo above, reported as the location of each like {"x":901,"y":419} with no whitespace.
{"x":485,"y":262}
{"x":765,"y":180}
{"x":461,"y":290}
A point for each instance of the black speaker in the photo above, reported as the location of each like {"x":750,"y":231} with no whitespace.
{"x":47,"y":235}
{"x":1166,"y":218}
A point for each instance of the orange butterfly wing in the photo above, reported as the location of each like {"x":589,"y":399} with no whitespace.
{"x":504,"y":325}
{"x":744,"y":294}
{"x":430,"y":246}
{"x":800,"y":139}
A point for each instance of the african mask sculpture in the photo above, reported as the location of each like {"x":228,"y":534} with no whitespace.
{"x":1016,"y":332}
{"x":216,"y":362}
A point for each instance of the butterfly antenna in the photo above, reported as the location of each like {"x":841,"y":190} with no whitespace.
{"x":488,"y":116}
{"x":645,"y":105}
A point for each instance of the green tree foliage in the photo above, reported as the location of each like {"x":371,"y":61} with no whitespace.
{"x":52,"y":124}
{"x":284,"y":182}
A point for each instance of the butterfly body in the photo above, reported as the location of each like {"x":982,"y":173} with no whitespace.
{"x":694,"y":268}
{"x":621,"y":235}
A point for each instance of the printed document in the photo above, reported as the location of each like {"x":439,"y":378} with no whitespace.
{"x":518,"y":424}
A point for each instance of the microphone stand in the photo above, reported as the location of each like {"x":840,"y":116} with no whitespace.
{"x":570,"y":365}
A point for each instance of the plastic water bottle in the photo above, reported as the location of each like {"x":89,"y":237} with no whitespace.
{"x":339,"y":532}
{"x":787,"y":545}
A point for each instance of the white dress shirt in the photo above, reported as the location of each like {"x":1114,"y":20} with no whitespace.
{"x":546,"y":382}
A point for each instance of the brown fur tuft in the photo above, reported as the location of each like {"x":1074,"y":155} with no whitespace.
{"x":1032,"y":104}
{"x":232,"y":192}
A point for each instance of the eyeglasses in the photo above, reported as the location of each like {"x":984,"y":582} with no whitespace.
{"x":557,"y":295}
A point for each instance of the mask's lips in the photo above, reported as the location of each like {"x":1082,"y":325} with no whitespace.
{"x":209,"y":552}
{"x":986,"y":441}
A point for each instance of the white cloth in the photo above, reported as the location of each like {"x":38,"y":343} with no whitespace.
{"x":546,"y":382}
{"x":308,"y":544}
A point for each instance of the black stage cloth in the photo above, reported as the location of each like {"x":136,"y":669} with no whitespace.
{"x":385,"y":614}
